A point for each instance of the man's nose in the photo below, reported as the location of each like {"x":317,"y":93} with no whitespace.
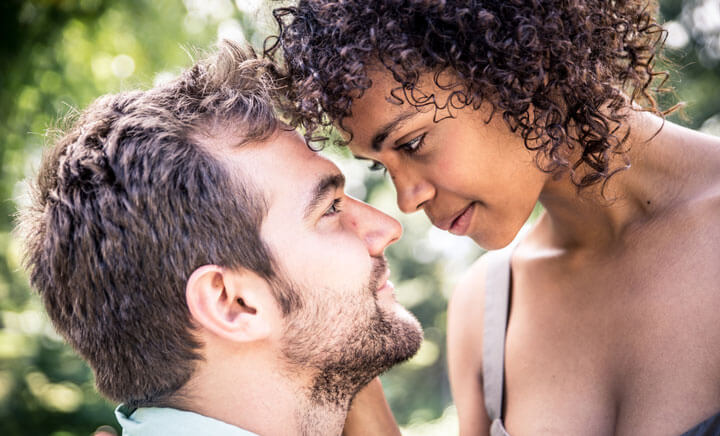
{"x":377,"y":229}
{"x":412,"y":192}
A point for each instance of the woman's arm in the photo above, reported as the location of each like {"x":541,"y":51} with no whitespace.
{"x":370,"y":413}
{"x":464,"y":339}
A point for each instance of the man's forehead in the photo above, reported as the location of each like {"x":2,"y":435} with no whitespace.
{"x":287,"y":170}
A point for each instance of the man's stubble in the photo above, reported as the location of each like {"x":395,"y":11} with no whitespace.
{"x":348,"y":343}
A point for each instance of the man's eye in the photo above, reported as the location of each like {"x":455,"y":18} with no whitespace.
{"x":335,"y":208}
{"x":412,"y":146}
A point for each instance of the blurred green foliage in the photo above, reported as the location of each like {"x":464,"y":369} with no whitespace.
{"x":58,"y":55}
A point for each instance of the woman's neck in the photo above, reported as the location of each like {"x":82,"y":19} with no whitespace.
{"x":665,"y":161}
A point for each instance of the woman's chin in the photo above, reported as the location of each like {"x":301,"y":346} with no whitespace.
{"x":492,"y":239}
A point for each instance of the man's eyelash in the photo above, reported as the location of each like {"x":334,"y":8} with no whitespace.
{"x":335,"y":208}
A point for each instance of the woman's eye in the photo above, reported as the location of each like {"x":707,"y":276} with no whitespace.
{"x":377,"y":166}
{"x":335,"y":208}
{"x":412,"y":146}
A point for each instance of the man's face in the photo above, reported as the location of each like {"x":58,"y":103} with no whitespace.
{"x":329,"y":247}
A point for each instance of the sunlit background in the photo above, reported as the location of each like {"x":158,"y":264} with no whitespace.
{"x":58,"y":55}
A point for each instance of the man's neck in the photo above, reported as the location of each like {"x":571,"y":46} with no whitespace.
{"x":261,"y":397}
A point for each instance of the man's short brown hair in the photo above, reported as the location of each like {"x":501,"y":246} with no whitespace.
{"x":130,"y":202}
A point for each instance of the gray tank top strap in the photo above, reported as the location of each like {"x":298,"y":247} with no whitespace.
{"x":497,"y":295}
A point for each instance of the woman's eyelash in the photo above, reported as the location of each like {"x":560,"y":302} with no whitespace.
{"x":412,"y":146}
{"x":335,"y":207}
{"x":377,"y":166}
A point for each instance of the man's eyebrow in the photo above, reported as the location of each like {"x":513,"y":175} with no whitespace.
{"x":382,"y":134}
{"x":327,"y":184}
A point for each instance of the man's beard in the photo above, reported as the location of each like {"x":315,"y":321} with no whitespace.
{"x":348,"y":343}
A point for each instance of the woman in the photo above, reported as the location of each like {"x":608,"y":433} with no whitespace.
{"x":603,"y":318}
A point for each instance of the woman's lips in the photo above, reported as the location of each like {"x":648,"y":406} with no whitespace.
{"x":448,"y":223}
{"x":461,"y":224}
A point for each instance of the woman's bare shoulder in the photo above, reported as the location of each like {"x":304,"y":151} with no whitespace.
{"x":464,"y":342}
{"x":468,"y":297}
{"x":466,"y":312}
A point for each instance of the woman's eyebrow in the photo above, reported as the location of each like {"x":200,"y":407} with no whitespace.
{"x":382,"y":134}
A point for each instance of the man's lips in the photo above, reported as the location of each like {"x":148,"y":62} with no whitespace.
{"x":447,"y":223}
{"x":384,"y":283}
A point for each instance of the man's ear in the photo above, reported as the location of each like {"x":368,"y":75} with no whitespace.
{"x":234,"y":304}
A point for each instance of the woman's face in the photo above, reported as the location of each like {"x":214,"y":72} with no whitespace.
{"x":470,"y":177}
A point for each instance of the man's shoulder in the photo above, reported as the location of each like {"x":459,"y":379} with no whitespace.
{"x":160,"y":421}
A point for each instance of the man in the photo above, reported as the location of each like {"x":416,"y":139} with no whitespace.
{"x":208,"y":265}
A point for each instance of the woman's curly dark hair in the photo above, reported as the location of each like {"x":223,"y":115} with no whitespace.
{"x":560,"y":72}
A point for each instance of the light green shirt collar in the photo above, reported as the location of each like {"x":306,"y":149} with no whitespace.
{"x":161,"y":421}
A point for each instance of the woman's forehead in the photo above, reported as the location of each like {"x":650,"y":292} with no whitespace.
{"x":386,"y":102}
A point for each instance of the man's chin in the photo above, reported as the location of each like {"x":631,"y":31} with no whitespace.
{"x":407,"y":333}
{"x":393,"y":336}
{"x":404,"y":315}
{"x":399,"y":334}
{"x":395,"y":313}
